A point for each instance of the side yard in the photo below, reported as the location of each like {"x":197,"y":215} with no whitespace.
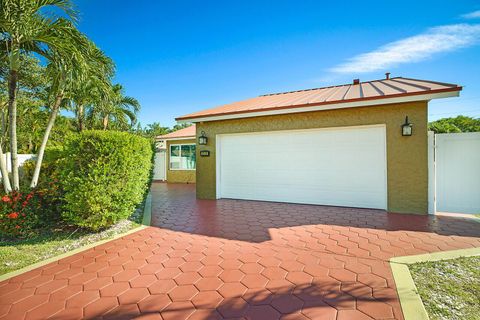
{"x":93,"y":188}
{"x":450,"y":289}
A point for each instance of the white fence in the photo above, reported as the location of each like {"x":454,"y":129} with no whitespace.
{"x":21,"y":160}
{"x":454,"y":168}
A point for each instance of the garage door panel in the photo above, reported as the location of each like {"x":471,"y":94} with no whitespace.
{"x":333,"y":167}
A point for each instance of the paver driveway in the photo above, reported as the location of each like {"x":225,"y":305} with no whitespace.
{"x":237,"y":259}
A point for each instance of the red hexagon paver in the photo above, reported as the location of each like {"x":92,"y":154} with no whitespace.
{"x":168,"y":273}
{"x":183,"y":293}
{"x":231,"y":275}
{"x":133,"y":295}
{"x":232,"y":290}
{"x":210,"y":271}
{"x":187,"y":278}
{"x":251,"y":268}
{"x":100,"y":307}
{"x":207,"y":300}
{"x":114,"y":289}
{"x":178,"y":310}
{"x":82,"y":299}
{"x":143,"y":281}
{"x":252,"y":281}
{"x":154,"y":303}
{"x":286,"y":303}
{"x":207,"y":284}
{"x":233,"y":308}
{"x":162,"y":286}
{"x":299,"y":278}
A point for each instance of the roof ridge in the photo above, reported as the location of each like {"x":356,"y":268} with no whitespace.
{"x":328,"y":87}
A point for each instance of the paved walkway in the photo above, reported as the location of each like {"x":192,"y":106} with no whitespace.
{"x":237,"y":259}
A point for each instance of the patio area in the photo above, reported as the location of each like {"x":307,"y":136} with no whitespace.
{"x":205,"y":259}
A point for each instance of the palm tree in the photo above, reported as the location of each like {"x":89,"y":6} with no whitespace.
{"x":117,"y":108}
{"x":66,"y":75}
{"x":95,"y":87}
{"x":25,"y":27}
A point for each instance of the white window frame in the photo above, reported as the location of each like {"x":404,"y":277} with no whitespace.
{"x":180,"y":149}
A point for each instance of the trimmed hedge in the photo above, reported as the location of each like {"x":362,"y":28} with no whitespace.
{"x":104,"y":176}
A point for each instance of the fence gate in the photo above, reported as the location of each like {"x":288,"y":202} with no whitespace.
{"x":456,"y":170}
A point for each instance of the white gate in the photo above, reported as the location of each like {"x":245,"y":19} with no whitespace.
{"x":159,"y":170}
{"x":457,"y":172}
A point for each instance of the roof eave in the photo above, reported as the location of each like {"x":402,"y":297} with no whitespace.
{"x":175,"y":138}
{"x":362,"y":102}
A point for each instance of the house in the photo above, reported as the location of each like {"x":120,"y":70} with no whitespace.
{"x":175,"y":158}
{"x":362,"y":144}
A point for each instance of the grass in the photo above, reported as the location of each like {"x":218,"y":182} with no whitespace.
{"x":53,"y":241}
{"x":450,"y":289}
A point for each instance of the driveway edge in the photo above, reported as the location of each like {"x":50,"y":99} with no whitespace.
{"x":410,"y":300}
{"x":147,"y":214}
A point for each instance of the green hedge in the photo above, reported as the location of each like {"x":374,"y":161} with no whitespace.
{"x":104,"y":176}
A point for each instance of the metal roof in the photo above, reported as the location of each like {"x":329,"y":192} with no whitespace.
{"x":182,"y":133}
{"x":346,"y":94}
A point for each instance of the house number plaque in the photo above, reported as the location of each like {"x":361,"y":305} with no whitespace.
{"x":205,"y":153}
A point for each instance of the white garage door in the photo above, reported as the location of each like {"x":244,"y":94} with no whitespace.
{"x":334,"y":166}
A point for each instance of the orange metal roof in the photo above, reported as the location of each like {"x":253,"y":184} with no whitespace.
{"x":377,"y":89}
{"x":182,"y":133}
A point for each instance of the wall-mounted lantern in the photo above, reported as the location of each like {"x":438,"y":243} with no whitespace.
{"x":406,"y":128}
{"x":202,"y":140}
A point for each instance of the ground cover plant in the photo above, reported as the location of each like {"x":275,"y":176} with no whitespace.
{"x":450,"y":289}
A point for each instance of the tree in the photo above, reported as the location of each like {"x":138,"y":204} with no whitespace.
{"x":95,"y":88}
{"x":28,"y":26}
{"x":180,"y":126}
{"x":155,"y":129}
{"x":457,"y":124}
{"x":65,"y":74}
{"x":117,"y":108}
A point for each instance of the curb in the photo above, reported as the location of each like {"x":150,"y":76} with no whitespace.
{"x":147,"y":215}
{"x":410,"y":300}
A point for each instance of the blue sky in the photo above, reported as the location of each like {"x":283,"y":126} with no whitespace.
{"x":178,"y":57}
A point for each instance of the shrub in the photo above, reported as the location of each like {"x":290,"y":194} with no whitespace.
{"x":49,"y":184}
{"x":104,"y":175}
{"x":18,"y":212}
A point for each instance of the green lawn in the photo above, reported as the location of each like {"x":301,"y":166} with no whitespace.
{"x":449,"y":289}
{"x":16,"y":254}
{"x":56,"y":240}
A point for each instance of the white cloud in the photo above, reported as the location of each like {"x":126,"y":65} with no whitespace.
{"x":413,"y":49}
{"x":471,"y":15}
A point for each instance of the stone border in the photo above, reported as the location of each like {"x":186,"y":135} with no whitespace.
{"x":410,"y":300}
{"x":147,"y":214}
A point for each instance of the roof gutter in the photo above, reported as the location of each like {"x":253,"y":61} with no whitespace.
{"x":362,"y":102}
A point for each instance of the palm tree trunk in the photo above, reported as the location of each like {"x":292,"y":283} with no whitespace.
{"x":80,"y":118}
{"x":46,"y":135}
{"x":3,"y":168}
{"x":12,"y":110}
{"x":105,"y":122}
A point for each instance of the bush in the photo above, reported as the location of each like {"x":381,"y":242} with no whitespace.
{"x":49,"y":186}
{"x":104,"y":176}
{"x":18,"y":213}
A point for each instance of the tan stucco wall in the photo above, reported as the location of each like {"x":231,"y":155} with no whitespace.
{"x":179,"y":176}
{"x":407,"y":167}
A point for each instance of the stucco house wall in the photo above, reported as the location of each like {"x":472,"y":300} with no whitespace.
{"x":180,"y":176}
{"x":407,"y":167}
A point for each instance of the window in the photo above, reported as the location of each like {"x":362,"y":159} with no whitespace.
{"x":182,"y":157}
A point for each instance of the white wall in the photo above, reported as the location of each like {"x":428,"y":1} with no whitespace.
{"x":457,"y":166}
{"x":21,"y":160}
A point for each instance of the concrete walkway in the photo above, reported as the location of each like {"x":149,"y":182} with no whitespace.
{"x":237,"y":259}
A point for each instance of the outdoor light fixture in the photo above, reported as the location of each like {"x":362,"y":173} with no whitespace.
{"x":406,"y":128}
{"x":202,"y":139}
